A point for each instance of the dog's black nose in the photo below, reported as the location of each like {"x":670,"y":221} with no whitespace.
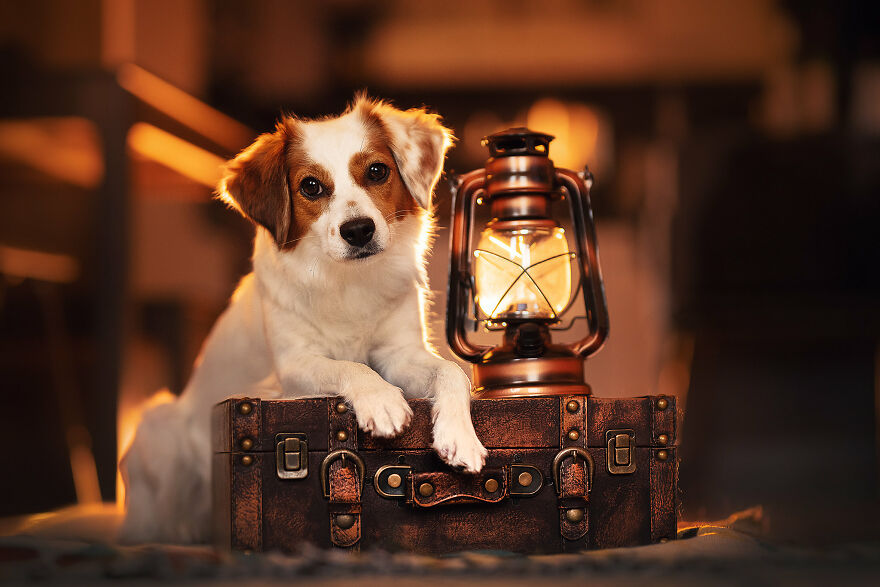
{"x":357,"y":232}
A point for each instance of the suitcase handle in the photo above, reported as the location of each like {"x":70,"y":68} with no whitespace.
{"x":427,"y":490}
{"x":439,"y":488}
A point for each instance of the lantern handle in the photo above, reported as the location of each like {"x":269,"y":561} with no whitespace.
{"x":594,"y":288}
{"x":463,"y":190}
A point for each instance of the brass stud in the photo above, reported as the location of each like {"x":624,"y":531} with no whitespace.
{"x":664,"y":540}
{"x":426,"y":489}
{"x":342,"y":436}
{"x":341,"y":408}
{"x":247,"y":460}
{"x":491,"y":485}
{"x":662,"y":440}
{"x":394,"y":480}
{"x":525,"y":479}
{"x":245,"y":408}
{"x":572,"y":406}
{"x":247,"y":444}
{"x":573,"y":434}
{"x":662,"y":455}
{"x":662,"y":403}
{"x":345,"y":521}
{"x":574,"y":516}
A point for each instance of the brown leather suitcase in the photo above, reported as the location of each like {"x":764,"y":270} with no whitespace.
{"x":558,"y":477}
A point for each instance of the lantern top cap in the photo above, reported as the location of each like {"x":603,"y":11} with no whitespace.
{"x":518,"y":141}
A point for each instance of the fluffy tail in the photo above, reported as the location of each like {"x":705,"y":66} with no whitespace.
{"x":167,"y":479}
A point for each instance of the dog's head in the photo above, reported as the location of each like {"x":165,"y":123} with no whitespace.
{"x":344,"y":180}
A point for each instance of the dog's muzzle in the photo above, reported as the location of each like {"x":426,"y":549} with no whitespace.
{"x":358,"y":232}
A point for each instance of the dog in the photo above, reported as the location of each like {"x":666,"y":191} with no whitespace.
{"x":334,"y":305}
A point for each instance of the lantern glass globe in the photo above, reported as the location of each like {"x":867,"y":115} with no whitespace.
{"x":523,"y":273}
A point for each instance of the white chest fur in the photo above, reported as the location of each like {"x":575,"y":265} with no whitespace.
{"x":339,"y":310}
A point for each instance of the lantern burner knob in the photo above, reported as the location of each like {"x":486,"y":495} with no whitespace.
{"x":529,"y":341}
{"x":518,"y":141}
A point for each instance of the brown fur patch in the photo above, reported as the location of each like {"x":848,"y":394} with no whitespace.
{"x":304,"y":211}
{"x":264,"y":181}
{"x":256,"y":181}
{"x":391,"y":197}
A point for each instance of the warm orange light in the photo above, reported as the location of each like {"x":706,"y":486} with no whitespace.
{"x":24,"y":264}
{"x":523,"y":273}
{"x":82,"y":465}
{"x":118,"y":32}
{"x":67,"y":148}
{"x":175,"y":153}
{"x":213,"y":124}
{"x":583,"y":134}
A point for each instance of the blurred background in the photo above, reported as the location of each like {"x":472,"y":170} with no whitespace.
{"x":736,"y":148}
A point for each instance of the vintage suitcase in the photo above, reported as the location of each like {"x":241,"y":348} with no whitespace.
{"x":558,"y":478}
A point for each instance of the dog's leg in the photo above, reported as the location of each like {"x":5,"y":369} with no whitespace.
{"x":423,"y":374}
{"x":379,"y":406}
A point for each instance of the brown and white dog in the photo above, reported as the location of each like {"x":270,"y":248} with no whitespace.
{"x":334,"y":305}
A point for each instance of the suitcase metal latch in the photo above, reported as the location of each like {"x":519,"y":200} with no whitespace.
{"x":621,"y":453}
{"x":291,"y":456}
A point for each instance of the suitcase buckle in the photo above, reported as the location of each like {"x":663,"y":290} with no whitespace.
{"x":291,"y":456}
{"x":621,"y":454}
{"x":340,"y":454}
{"x":572,"y":453}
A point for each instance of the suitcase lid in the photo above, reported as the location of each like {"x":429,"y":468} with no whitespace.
{"x":499,"y":423}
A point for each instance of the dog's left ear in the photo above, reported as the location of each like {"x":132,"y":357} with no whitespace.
{"x":418,"y":142}
{"x":255,"y":182}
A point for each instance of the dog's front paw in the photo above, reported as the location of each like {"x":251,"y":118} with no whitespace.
{"x":382,"y":411}
{"x":458,"y":445}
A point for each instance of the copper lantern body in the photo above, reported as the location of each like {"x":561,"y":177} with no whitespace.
{"x":524,"y":271}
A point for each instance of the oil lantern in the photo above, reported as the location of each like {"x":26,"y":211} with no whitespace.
{"x":524,"y":271}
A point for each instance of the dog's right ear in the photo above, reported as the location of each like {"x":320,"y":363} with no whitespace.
{"x":255,"y":183}
{"x":418,"y":142}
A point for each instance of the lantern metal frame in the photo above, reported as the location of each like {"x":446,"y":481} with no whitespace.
{"x":519,"y":181}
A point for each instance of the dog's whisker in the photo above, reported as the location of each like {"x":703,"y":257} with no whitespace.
{"x":398,"y":214}
{"x":284,"y":244}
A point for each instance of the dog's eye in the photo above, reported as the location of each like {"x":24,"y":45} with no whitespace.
{"x":377,"y":172}
{"x":311,"y":188}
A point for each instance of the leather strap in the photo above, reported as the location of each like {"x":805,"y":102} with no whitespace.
{"x":427,"y":490}
{"x":663,"y":469}
{"x":573,"y":484}
{"x":247,"y":479}
{"x":343,"y":481}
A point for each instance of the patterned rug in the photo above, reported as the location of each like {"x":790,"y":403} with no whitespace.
{"x":49,"y":551}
